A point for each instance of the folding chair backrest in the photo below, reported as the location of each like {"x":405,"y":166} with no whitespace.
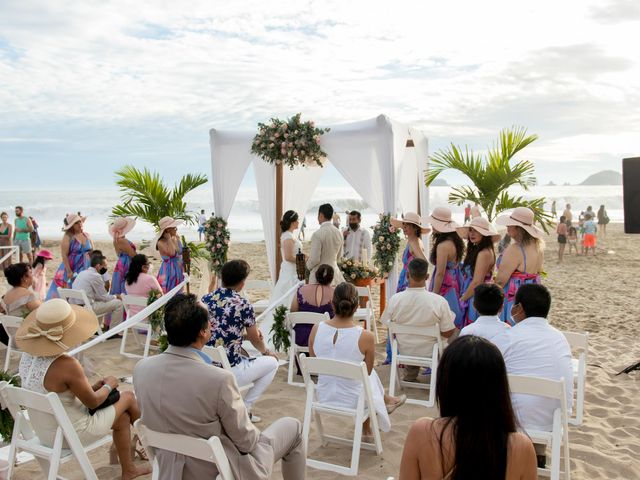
{"x":432,"y":331}
{"x":128,"y":300}
{"x":11,"y":325}
{"x":78,"y":295}
{"x":209,"y":450}
{"x":219,"y":355}
{"x":335,"y":368}
{"x":364,"y":292}
{"x":577,"y":341}
{"x":543,"y":387}
{"x":308,"y":318}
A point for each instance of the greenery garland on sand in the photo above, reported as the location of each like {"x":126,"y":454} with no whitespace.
{"x":6,"y":419}
{"x":156,"y":321}
{"x":386,"y":241}
{"x":290,"y":142}
{"x":218,"y":239}
{"x":279,"y":331}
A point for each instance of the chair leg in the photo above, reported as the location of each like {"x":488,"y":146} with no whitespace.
{"x":393,"y":375}
{"x":123,"y":341}
{"x":7,"y":358}
{"x":292,"y":363}
{"x":54,"y":464}
{"x":306,"y":424}
{"x":357,"y":441}
{"x":147,"y":343}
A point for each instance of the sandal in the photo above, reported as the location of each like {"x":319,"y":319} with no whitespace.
{"x":138,"y":449}
{"x":393,"y":406}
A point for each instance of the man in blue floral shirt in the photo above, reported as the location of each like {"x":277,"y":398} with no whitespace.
{"x":231,"y":315}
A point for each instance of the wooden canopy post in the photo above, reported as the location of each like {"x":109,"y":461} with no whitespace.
{"x":279,"y":213}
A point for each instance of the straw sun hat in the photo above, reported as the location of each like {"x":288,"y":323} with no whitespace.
{"x":55,"y":327}
{"x":71,"y":219}
{"x":521,"y":217}
{"x":121,"y":226}
{"x":412,"y":218}
{"x":482,"y":226}
{"x":163,"y":224}
{"x":440,"y":219}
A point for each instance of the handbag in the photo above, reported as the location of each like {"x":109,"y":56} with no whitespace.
{"x":113,"y":397}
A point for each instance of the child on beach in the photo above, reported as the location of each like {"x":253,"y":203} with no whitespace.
{"x":40,"y":273}
{"x":572,"y":240}
{"x":589,"y":235}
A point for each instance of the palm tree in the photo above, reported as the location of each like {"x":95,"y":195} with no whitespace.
{"x":492,"y":176}
{"x":146,"y":196}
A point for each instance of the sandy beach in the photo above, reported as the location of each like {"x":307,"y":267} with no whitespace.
{"x":593,"y":294}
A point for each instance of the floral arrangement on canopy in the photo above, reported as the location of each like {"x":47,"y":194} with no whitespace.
{"x":217,"y":238}
{"x":354,"y":270}
{"x":290,"y":142}
{"x":386,"y":241}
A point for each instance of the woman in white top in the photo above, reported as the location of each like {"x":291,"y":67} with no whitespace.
{"x":289,"y":247}
{"x":340,"y":339}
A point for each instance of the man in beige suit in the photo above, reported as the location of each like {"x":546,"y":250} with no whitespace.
{"x":179,"y":391}
{"x":326,"y":246}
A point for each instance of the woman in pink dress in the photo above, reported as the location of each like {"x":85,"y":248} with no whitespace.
{"x":139,"y":281}
{"x":40,"y":273}
{"x":125,"y":250}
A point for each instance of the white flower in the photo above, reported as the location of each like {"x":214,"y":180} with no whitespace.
{"x":353,"y":275}
{"x":381,"y":238}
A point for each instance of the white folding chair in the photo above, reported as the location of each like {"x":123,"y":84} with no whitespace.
{"x":364,"y":409}
{"x":429,"y":334}
{"x":81,"y":297}
{"x":26,"y":407}
{"x":366,"y":314}
{"x":558,"y":437}
{"x":261,"y":305}
{"x":11,"y":325}
{"x":300,"y":318}
{"x":219,"y":355}
{"x":127,"y":302}
{"x":579,"y":342}
{"x":209,"y":450}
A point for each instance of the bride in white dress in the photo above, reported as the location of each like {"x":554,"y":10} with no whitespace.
{"x":289,"y":247}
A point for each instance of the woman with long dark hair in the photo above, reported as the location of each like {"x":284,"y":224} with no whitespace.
{"x":139,"y":282}
{"x":411,"y":225}
{"x":479,"y":442}
{"x":478,"y":263}
{"x":446,"y":254}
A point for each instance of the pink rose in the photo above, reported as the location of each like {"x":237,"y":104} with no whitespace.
{"x":295,"y":153}
{"x":286,"y":135}
{"x":219,"y":225}
{"x":271,"y":145}
{"x":276,"y":135}
{"x":392,"y":229}
{"x":218,"y":245}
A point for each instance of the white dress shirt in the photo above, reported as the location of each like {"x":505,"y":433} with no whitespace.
{"x":355,"y":241}
{"x":92,"y":283}
{"x":417,"y":307}
{"x":485,"y":326}
{"x":534,"y":348}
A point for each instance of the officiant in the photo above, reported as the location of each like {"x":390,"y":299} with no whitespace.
{"x":357,"y":240}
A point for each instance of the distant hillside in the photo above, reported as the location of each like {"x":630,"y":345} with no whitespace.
{"x":605,"y":177}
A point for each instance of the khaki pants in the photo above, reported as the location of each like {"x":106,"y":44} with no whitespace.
{"x":112,"y":309}
{"x":285,"y":435}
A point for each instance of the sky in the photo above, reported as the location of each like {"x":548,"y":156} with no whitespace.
{"x":89,"y":86}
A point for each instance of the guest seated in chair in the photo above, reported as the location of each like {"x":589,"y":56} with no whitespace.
{"x":341,"y":339}
{"x":230,"y":314}
{"x":315,"y":298}
{"x":417,"y":307}
{"x":139,"y":282}
{"x":45,"y":368}
{"x":20,"y":300}
{"x":181,"y":392}
{"x":488,"y":299}
{"x":478,"y":441}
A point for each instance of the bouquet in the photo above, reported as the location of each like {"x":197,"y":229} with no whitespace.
{"x":291,"y":142}
{"x":386,"y":241}
{"x":217,"y":239}
{"x":354,"y":270}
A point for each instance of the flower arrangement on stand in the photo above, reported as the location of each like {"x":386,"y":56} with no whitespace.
{"x":279,"y":331}
{"x":289,"y":142}
{"x":386,"y":241}
{"x":217,"y":239}
{"x":357,"y":272}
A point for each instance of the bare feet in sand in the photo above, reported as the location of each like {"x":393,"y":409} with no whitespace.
{"x":136,"y":472}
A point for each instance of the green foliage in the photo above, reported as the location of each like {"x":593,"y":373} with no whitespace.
{"x":492,"y":175}
{"x":156,"y":319}
{"x":145,"y":195}
{"x":354,"y":270}
{"x":6,"y":420}
{"x":386,"y":241}
{"x":217,"y":239}
{"x":279,"y":331}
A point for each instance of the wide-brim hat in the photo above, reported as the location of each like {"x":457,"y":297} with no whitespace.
{"x":413,"y":218}
{"x":46,"y":254}
{"x":521,"y":217}
{"x":71,"y":219}
{"x":163,"y":224}
{"x":482,"y":226}
{"x":54,"y":328}
{"x":121,"y":226}
{"x":442,"y":221}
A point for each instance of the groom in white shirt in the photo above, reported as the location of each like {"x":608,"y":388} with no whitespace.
{"x":326,"y":246}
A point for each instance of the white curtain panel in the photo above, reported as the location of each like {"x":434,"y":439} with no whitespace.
{"x":230,"y":159}
{"x":299,"y":185}
{"x":265,"y":174}
{"x":422,"y":158}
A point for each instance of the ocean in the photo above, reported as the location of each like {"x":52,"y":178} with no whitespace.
{"x":49,"y":207}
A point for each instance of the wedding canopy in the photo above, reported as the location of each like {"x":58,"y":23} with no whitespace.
{"x":374,"y":156}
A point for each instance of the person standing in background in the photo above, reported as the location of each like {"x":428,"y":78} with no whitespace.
{"x":553,"y":209}
{"x":475,"y":211}
{"x":336,"y":220}
{"x":6,"y":234}
{"x":568,"y":215}
{"x":35,"y":237}
{"x":202,"y":219}
{"x":357,"y":241}
{"x":603,"y":219}
{"x":467,"y":213}
{"x":562,"y":232}
{"x":21,"y":234}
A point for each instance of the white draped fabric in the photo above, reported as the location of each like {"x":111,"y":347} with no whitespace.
{"x":371,"y":155}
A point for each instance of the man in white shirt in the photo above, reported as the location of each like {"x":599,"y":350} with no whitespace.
{"x":417,"y":307}
{"x":534,"y":348}
{"x":92,"y":282}
{"x":357,"y":240}
{"x":488,"y":299}
{"x":202,"y":219}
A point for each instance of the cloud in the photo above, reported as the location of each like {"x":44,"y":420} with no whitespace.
{"x":616,"y":11}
